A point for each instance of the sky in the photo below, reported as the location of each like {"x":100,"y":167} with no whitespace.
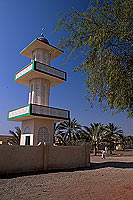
{"x":20,"y":23}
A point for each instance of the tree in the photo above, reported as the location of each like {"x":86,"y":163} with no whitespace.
{"x":68,"y":132}
{"x":113,"y":134}
{"x":15,"y":140}
{"x":103,"y":36}
{"x":128,"y":140}
{"x":85,"y":135}
{"x":95,"y":132}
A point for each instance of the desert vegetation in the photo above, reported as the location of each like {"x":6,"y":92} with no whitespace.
{"x":97,"y":134}
{"x":15,"y":140}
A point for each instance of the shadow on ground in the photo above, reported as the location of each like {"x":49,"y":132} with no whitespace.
{"x":112,"y":164}
{"x":32,"y":173}
{"x":92,"y":167}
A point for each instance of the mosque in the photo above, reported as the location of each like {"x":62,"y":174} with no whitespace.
{"x":37,"y":117}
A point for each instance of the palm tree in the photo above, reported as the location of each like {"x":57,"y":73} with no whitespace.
{"x":85,"y":135}
{"x":94,"y":134}
{"x":128,"y":140}
{"x":68,"y":132}
{"x":15,"y":140}
{"x":122,"y":140}
{"x":112,"y":134}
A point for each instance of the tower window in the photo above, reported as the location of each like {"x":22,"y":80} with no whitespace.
{"x":36,"y":93}
{"x":33,"y":56}
{"x":31,"y":91}
{"x":45,"y":59}
{"x":44,"y":94}
{"x":43,"y":134}
{"x":39,"y":57}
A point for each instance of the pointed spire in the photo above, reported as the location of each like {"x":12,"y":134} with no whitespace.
{"x":42,"y":38}
{"x":42,"y":32}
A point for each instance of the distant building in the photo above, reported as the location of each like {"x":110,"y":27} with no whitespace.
{"x":4,"y":139}
{"x":37,"y":117}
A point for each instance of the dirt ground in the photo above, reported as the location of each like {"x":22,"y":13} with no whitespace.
{"x":108,"y":179}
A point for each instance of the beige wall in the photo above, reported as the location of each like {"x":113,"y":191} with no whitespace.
{"x":15,"y":159}
{"x":20,"y":158}
{"x":67,"y":157}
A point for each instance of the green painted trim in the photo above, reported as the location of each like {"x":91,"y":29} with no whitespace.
{"x":14,"y":77}
{"x":23,"y":67}
{"x":19,"y":107}
{"x":8,"y":115}
{"x":33,"y":64}
{"x":34,"y":68}
{"x":35,"y":114}
{"x":28,"y":45}
{"x":19,"y":115}
{"x":16,"y":109}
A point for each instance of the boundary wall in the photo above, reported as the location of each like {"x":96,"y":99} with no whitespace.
{"x":17,"y":159}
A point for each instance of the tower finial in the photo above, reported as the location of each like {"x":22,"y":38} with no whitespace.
{"x":42,"y":31}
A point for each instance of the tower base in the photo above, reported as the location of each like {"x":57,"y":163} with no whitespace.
{"x":35,"y":131}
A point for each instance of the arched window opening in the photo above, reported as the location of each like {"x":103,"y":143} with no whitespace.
{"x":43,"y":135}
{"x":27,"y":130}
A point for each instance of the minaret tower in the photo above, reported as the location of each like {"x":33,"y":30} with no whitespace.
{"x":37,"y":117}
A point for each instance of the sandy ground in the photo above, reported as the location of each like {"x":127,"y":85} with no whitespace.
{"x":107,"y":179}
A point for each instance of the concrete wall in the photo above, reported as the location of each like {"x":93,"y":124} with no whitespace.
{"x":65,"y":157}
{"x":20,"y":158}
{"x":14,"y":159}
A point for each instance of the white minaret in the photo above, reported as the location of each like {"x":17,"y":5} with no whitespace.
{"x":37,"y":117}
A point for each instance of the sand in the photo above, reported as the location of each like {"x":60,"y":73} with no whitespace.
{"x":108,"y":179}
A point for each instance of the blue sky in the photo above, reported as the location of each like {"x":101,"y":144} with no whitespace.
{"x":21,"y":23}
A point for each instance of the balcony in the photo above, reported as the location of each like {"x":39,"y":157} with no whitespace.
{"x":31,"y":111}
{"x":40,"y":70}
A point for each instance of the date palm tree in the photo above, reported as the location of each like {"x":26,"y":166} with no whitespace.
{"x":68,"y":132}
{"x":15,"y":140}
{"x":128,"y":140}
{"x":112,"y":134}
{"x":85,"y":135}
{"x":94,"y":133}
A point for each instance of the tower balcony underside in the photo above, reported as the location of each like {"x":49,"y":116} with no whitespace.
{"x":32,"y":111}
{"x":39,"y":70}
